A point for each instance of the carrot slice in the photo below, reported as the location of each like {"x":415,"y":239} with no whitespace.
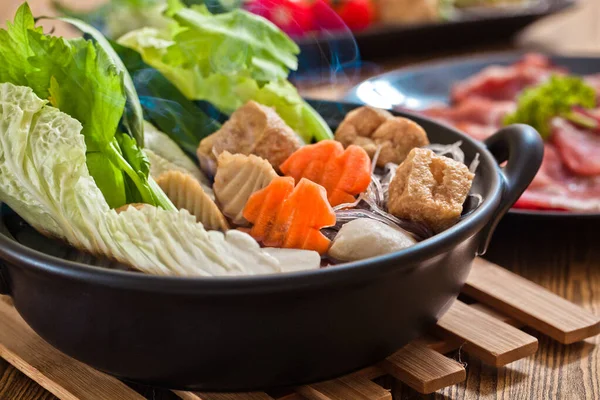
{"x":291,"y":217}
{"x":343,"y":173}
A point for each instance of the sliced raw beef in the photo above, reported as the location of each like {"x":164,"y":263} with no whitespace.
{"x":557,"y":188}
{"x":579,"y":149}
{"x":475,"y":110}
{"x":505,"y":82}
{"x":594,"y":114}
{"x":551,"y":171}
{"x":561,"y":200}
{"x":593,"y":81}
{"x":476,"y":131}
{"x":569,"y":178}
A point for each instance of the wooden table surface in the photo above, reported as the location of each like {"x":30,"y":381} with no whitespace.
{"x":561,"y":255}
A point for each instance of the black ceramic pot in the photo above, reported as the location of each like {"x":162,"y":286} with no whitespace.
{"x":228,"y":334}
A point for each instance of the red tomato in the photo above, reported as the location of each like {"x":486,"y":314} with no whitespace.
{"x":326,"y":19}
{"x":357,"y":14}
{"x":294,"y":17}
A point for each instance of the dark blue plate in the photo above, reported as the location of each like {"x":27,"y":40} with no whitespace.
{"x":424,"y":85}
{"x":467,"y":28}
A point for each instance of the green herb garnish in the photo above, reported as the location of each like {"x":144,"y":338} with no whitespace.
{"x":537,"y":106}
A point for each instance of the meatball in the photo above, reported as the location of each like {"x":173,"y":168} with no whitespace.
{"x":429,"y":188}
{"x":251,"y":129}
{"x":371,"y":128}
{"x":363,"y":238}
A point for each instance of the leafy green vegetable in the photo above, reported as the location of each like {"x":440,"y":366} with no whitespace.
{"x":165,"y":105}
{"x":80,"y":79}
{"x":134,"y":116}
{"x":44,"y":178}
{"x":233,"y":42}
{"x":556,"y":97}
{"x":117,"y":17}
{"x":227,"y":60}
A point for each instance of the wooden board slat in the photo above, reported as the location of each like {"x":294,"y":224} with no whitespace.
{"x":61,"y":375}
{"x":441,"y":345}
{"x":346,"y":388}
{"x":223,"y":396}
{"x":496,"y":314}
{"x":292,"y":396}
{"x":14,"y":385}
{"x":423,"y":369}
{"x":492,"y":341}
{"x":530,"y":303}
{"x":447,"y":344}
{"x":370,"y":373}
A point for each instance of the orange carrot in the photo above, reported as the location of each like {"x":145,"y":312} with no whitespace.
{"x":343,"y":173}
{"x":284,"y":216}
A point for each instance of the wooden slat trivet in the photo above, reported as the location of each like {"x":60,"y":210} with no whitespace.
{"x":223,"y":396}
{"x":410,"y":365}
{"x":530,"y":303}
{"x":346,"y":388}
{"x":59,"y":374}
{"x":489,"y":339}
{"x":499,"y":316}
{"x":423,"y":369}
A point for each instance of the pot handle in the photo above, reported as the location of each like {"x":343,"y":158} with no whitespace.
{"x":4,"y":286}
{"x":522,"y":148}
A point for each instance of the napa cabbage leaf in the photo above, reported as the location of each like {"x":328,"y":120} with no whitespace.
{"x":44,"y":177}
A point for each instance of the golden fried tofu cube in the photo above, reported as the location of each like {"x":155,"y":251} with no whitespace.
{"x":397,"y":137}
{"x":429,"y":188}
{"x":371,"y":128}
{"x":251,"y":129}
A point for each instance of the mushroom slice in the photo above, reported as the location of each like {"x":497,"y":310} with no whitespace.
{"x":159,"y":165}
{"x":186,"y":192}
{"x":125,"y":207}
{"x":238,"y":176}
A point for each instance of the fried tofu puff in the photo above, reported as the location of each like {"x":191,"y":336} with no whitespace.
{"x":251,"y":129}
{"x":371,"y":128}
{"x":429,"y":188}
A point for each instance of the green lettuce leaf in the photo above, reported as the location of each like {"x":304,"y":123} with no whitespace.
{"x":117,"y":17}
{"x":134,"y":116}
{"x":15,"y":49}
{"x":232,"y":42}
{"x":45,"y":179}
{"x":227,"y":60}
{"x":79,"y":78}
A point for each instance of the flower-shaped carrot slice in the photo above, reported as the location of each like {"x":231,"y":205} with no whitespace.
{"x":343,"y":173}
{"x":291,"y":217}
